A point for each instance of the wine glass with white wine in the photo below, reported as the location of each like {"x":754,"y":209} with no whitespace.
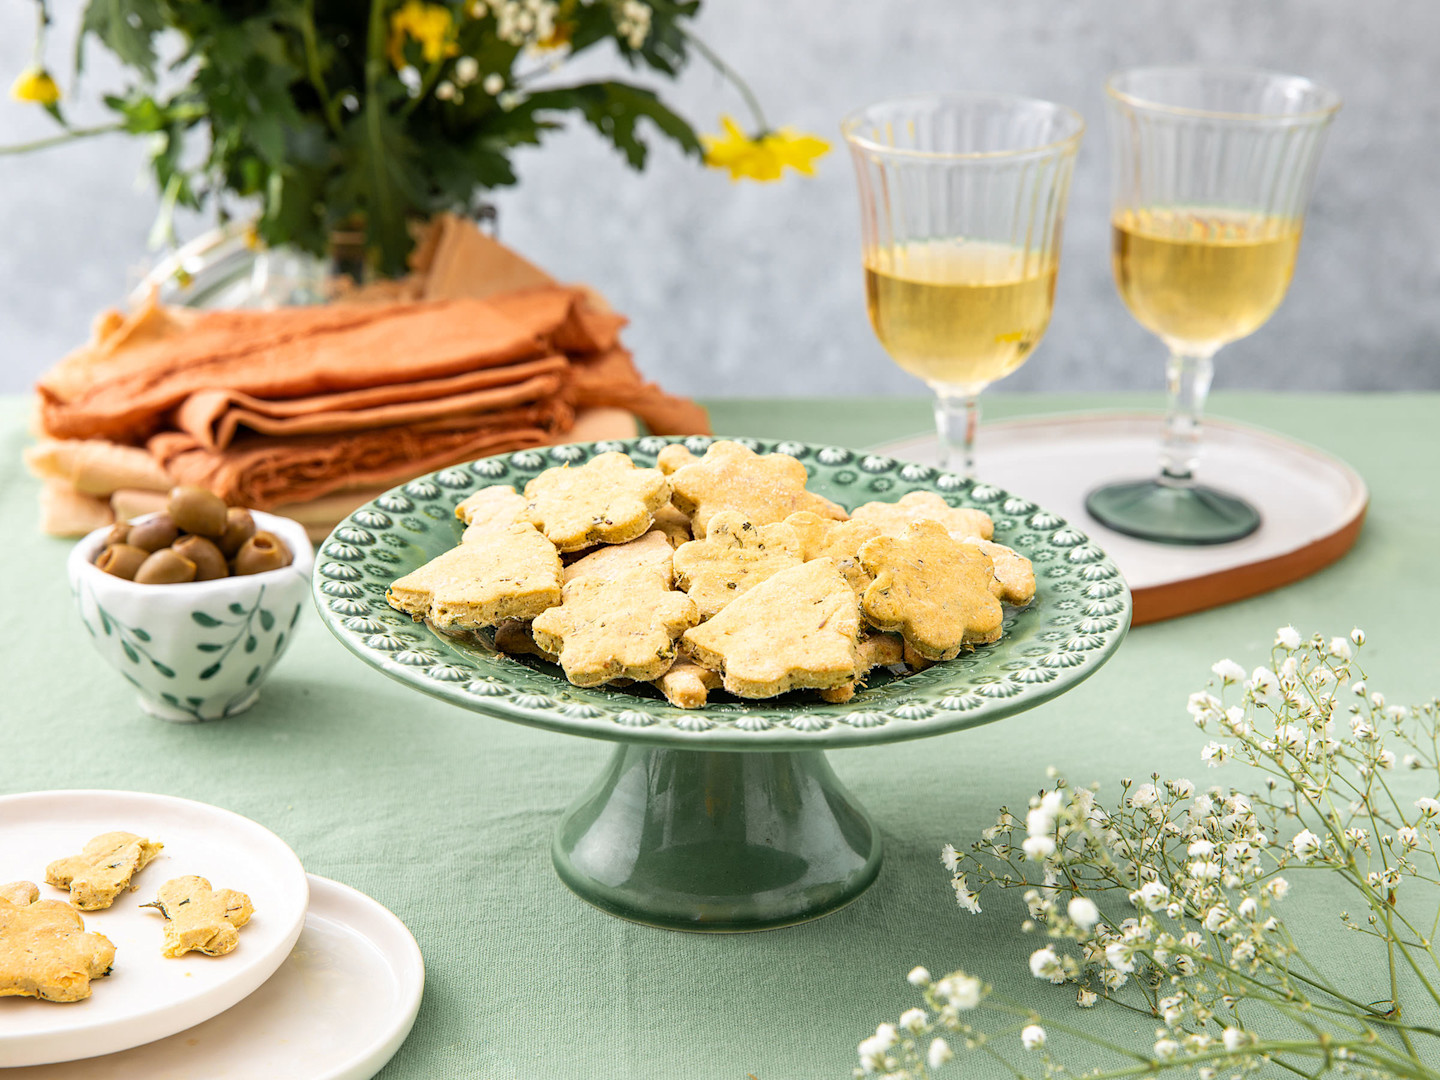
{"x":962,"y":202}
{"x":1212,"y":172}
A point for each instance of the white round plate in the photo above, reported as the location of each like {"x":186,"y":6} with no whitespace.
{"x":147,"y":996}
{"x":338,"y":1008}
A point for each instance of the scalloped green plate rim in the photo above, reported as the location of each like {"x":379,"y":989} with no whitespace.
{"x":1077,"y":620}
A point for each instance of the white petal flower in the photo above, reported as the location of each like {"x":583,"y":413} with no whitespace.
{"x":1154,"y":895}
{"x":1120,"y":957}
{"x":918,"y":977}
{"x":1228,"y":671}
{"x":1038,"y":847}
{"x":1234,"y":1039}
{"x":1166,"y":1049}
{"x":1287,"y":638}
{"x":964,"y":897}
{"x":1032,"y":1036}
{"x":493,"y":84}
{"x":1201,"y":848}
{"x":445,"y":91}
{"x":959,"y":991}
{"x":1203,"y":707}
{"x":1181,"y":789}
{"x":1143,"y":796}
{"x":1215,"y":753}
{"x":1278,"y":888}
{"x":1086,"y":999}
{"x":1428,"y":807}
{"x":1083,"y":912}
{"x":467,"y":70}
{"x":939,"y":1053}
{"x":886,"y":1036}
{"x":1340,"y":648}
{"x":1385,"y":759}
{"x":1204,"y":870}
{"x":913,"y":1021}
{"x":1044,"y":964}
{"x":948,"y":857}
{"x":1305,"y":845}
{"x":1358,"y":636}
{"x":1409,"y":837}
{"x":1249,"y":907}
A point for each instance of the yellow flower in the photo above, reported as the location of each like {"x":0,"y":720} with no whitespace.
{"x":763,"y":157}
{"x":35,"y":84}
{"x":429,"y":24}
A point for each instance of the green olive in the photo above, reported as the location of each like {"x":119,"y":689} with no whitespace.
{"x":209,"y":563}
{"x":122,"y":560}
{"x":119,"y":533}
{"x":263,"y":551}
{"x":196,"y":510}
{"x":165,"y":567}
{"x":154,"y":533}
{"x":239,"y":527}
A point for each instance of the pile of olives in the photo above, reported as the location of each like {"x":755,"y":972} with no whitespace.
{"x":196,"y":538}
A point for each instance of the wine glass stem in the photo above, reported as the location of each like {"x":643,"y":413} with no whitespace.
{"x":1187,"y":377}
{"x":957,"y":414}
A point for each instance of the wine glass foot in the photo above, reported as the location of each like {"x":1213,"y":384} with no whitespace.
{"x":1168,"y":514}
{"x":716,"y":841}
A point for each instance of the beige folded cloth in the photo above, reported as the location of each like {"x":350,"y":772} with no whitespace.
{"x":96,"y":467}
{"x":66,"y":512}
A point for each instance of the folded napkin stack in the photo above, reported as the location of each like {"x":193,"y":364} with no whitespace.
{"x":312,"y":410}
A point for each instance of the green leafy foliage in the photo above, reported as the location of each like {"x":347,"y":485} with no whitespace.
{"x":297,"y":103}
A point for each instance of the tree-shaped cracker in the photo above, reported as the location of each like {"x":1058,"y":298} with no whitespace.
{"x":798,"y":629}
{"x":734,"y":557}
{"x":733,"y":477}
{"x":103,"y":868}
{"x":502,"y":573}
{"x":926,"y":506}
{"x":620,"y":627}
{"x":935,"y":590}
{"x":45,"y":951}
{"x":200,"y":919}
{"x":605,"y":501}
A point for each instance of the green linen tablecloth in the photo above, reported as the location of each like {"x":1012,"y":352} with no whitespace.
{"x":445,"y":816}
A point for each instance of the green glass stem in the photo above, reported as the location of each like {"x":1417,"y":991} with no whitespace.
{"x":716,"y":841}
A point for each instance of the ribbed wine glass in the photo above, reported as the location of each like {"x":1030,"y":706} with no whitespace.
{"x":962,"y":202}
{"x":1212,"y":172}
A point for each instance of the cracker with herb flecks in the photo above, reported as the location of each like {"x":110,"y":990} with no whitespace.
{"x":45,"y":950}
{"x":495,"y":507}
{"x":875,"y":650}
{"x":620,"y":627}
{"x":608,"y":500}
{"x":673,"y":457}
{"x":733,"y":477}
{"x":959,"y":522}
{"x":509,"y":573}
{"x":103,"y":868}
{"x":1014,"y":573}
{"x":610,"y":561}
{"x":798,"y":629}
{"x":935,"y":590}
{"x":199,"y":918}
{"x":734,"y":557}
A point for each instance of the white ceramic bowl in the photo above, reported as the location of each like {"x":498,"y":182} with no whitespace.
{"x":197,"y":651}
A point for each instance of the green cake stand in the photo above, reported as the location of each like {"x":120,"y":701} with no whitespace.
{"x":726,"y":818}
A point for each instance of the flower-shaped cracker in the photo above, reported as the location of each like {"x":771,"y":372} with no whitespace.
{"x":45,"y":951}
{"x":733,"y":477}
{"x":735,"y":555}
{"x":605,"y":501}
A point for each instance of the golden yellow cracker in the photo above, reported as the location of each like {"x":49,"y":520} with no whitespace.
{"x":103,"y":868}
{"x":687,"y":685}
{"x":914,"y":661}
{"x":45,"y":951}
{"x":733,"y":477}
{"x":735,"y":556}
{"x":932,"y":588}
{"x":798,"y":629}
{"x":843,"y":543}
{"x":812,"y":529}
{"x":199,"y":918}
{"x":675,"y":456}
{"x":1014,"y":574}
{"x":621,"y":627}
{"x":926,"y":506}
{"x":495,"y":507}
{"x":610,"y":561}
{"x":674,"y":523}
{"x":509,"y":573}
{"x":513,"y":637}
{"x":607,"y":501}
{"x":875,"y":650}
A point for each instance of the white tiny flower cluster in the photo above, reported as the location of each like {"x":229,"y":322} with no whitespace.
{"x":899,"y":1051}
{"x":519,"y":22}
{"x":632,"y":22}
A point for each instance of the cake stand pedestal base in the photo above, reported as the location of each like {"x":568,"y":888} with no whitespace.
{"x":716,"y":841}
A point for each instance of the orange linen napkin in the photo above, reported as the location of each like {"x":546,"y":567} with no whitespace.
{"x":262,"y":470}
{"x":611,"y":380}
{"x":214,"y":417}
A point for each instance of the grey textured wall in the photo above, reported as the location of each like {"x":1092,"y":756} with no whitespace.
{"x":756,"y":289}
